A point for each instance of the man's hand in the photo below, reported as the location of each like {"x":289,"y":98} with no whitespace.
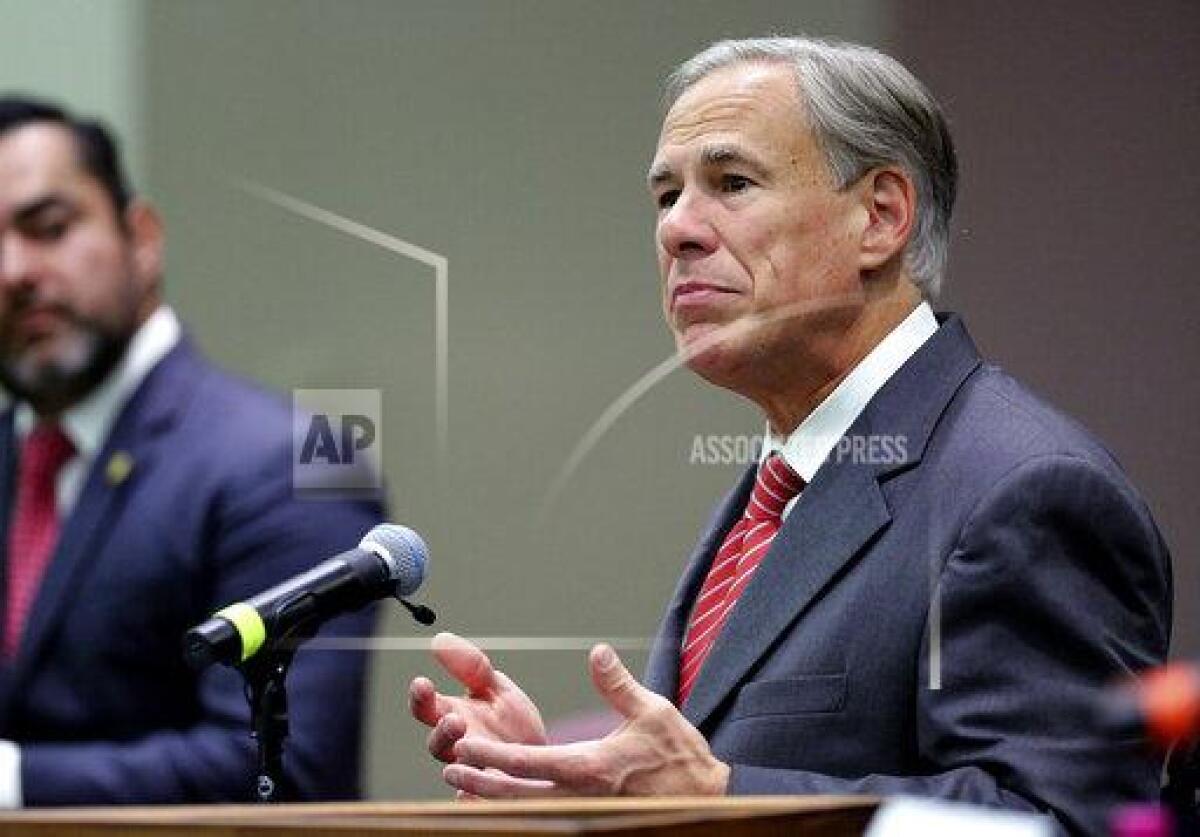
{"x":654,"y":752}
{"x":494,"y":708}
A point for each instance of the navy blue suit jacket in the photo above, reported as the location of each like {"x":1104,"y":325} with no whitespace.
{"x":939,"y":623}
{"x":99,"y":698}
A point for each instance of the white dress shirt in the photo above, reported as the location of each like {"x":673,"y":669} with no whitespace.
{"x":87,"y":424}
{"x":809,"y":445}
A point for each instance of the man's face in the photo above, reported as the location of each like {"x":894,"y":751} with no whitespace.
{"x":751,"y":231}
{"x":71,"y":294}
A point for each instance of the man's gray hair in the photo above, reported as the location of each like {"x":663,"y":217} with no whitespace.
{"x":866,"y":110}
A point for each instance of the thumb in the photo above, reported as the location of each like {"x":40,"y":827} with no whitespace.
{"x":615,"y":684}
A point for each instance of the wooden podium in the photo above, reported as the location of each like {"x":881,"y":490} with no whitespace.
{"x":828,"y":816}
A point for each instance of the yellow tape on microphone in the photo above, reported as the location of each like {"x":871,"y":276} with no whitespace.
{"x":249,"y":626}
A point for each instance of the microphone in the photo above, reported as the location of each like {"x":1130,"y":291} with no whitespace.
{"x":389,"y":561}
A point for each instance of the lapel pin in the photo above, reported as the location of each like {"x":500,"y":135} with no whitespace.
{"x":120,"y":464}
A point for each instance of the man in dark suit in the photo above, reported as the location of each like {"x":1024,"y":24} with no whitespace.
{"x":141,"y":489}
{"x":929,"y":577}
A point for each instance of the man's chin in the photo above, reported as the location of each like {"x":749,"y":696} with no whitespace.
{"x":712,"y":352}
{"x":53,"y":375}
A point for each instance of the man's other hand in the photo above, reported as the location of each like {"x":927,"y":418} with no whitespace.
{"x":654,"y":752}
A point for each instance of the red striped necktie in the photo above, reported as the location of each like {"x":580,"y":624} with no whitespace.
{"x":33,"y":531}
{"x":737,"y":559}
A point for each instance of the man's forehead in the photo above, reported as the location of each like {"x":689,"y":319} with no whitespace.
{"x":38,"y":150}
{"x":35,"y":160}
{"x":732,"y":105}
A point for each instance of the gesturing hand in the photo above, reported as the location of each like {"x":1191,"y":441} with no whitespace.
{"x":494,"y":708}
{"x":654,"y":752}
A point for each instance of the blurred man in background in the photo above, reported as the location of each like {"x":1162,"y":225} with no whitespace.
{"x":927,"y":580}
{"x":141,"y":489}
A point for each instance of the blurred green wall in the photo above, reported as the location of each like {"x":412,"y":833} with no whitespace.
{"x":88,"y":55}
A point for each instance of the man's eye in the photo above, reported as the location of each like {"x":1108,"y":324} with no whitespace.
{"x":666,"y":200}
{"x":50,"y":229}
{"x":735,"y":183}
{"x":53,"y":230}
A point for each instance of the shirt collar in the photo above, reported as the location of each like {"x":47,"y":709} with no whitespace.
{"x":810,"y":444}
{"x":88,"y":423}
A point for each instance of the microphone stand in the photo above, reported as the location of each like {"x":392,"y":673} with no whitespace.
{"x":266,"y":690}
{"x":265,"y":674}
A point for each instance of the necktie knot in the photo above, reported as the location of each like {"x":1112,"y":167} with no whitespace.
{"x":46,"y":450}
{"x":774,"y":487}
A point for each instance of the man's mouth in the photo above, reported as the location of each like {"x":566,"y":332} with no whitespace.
{"x":695,"y":294}
{"x":36,"y":323}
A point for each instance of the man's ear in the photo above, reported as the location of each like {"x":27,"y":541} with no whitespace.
{"x":145,"y":230}
{"x":890,"y":201}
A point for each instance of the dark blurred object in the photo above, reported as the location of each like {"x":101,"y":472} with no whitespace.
{"x":1164,"y":704}
{"x":1183,"y":779}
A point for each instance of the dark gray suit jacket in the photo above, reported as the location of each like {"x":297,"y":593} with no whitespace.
{"x":1005,"y":554}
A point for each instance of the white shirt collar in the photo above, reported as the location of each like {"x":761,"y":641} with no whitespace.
{"x":810,"y":444}
{"x":88,"y":423}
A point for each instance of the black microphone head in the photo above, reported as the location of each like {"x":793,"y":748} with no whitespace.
{"x":403,"y":551}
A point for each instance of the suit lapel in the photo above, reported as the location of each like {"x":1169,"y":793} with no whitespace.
{"x":135,"y":438}
{"x":837,"y":515}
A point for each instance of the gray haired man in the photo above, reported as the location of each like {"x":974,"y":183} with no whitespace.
{"x":938,"y":622}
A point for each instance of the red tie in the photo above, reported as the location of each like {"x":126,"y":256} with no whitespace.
{"x":736,"y":561}
{"x":34,"y":527}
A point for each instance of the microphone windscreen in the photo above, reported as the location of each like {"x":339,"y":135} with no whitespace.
{"x":403,"y":551}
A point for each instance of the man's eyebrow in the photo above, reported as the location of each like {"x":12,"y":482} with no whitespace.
{"x":719,"y":155}
{"x":711,"y":156}
{"x":659,"y":174}
{"x":27,"y":212}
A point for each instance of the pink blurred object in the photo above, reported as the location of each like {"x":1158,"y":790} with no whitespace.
{"x":1142,"y":821}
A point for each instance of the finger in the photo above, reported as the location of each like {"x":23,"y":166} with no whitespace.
{"x":616,"y":685}
{"x":465,"y":662}
{"x":491,"y":784}
{"x":425,"y":704}
{"x":501,"y":682}
{"x":445,"y":734}
{"x":565,"y":765}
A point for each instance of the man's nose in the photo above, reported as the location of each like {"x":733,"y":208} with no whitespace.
{"x":685,"y":230}
{"x":18,"y":261}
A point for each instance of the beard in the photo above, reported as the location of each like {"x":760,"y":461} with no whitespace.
{"x":87,"y":353}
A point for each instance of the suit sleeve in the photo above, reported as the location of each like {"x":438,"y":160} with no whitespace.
{"x":1058,"y":585}
{"x":260,"y":533}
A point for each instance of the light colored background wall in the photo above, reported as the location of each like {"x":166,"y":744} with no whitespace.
{"x":511,"y":136}
{"x":87,"y":54}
